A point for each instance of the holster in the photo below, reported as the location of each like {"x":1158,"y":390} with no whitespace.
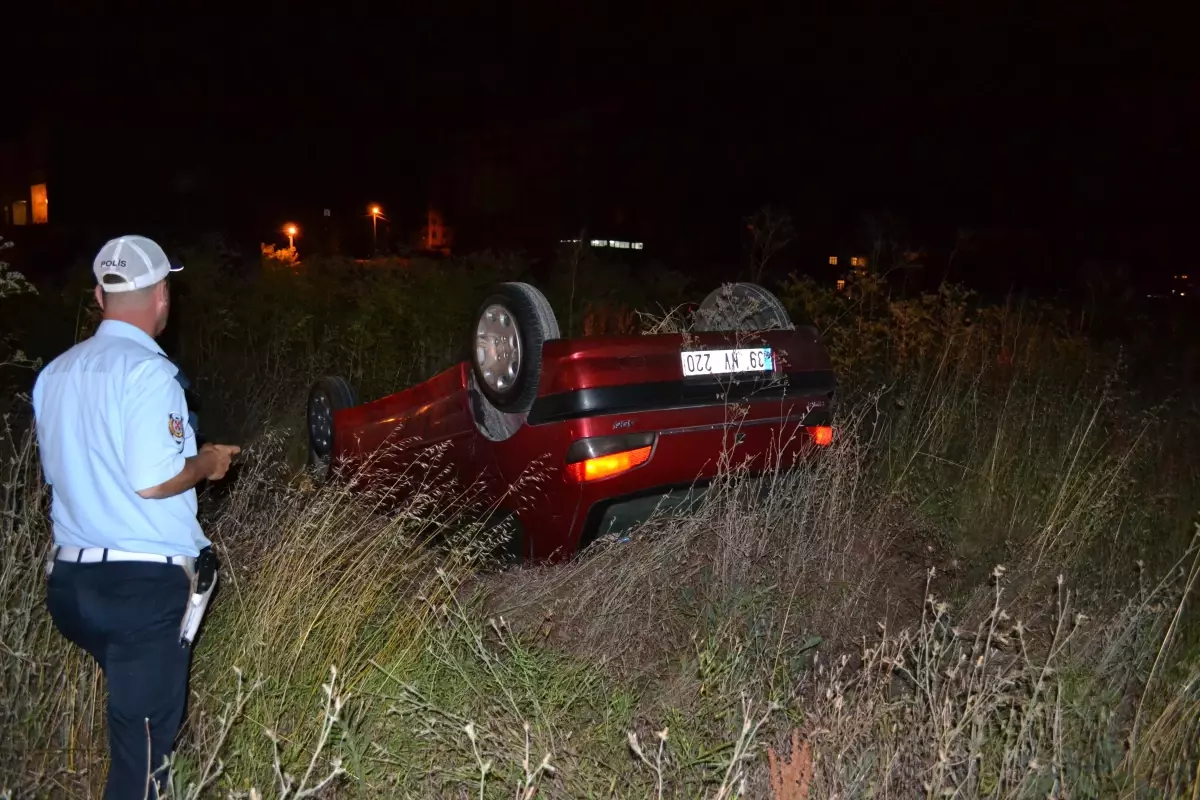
{"x":203,"y":581}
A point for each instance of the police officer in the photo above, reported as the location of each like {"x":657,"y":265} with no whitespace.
{"x":120,"y":456}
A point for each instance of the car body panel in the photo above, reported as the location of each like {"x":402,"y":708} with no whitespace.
{"x":598,"y":387}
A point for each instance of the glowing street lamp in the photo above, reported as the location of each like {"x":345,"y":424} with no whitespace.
{"x":376,"y":214}
{"x":291,"y":231}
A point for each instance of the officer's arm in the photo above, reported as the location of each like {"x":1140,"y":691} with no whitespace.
{"x":155,"y":414}
{"x":195,"y":469}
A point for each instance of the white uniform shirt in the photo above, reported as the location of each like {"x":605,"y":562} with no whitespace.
{"x":112,"y":420}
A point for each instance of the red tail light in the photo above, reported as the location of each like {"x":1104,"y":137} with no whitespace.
{"x":594,"y":469}
{"x":822,"y":435}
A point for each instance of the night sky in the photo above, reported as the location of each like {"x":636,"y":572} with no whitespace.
{"x":1076,"y":124}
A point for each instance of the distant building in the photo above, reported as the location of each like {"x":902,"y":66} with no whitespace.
{"x":607,"y":244}
{"x":435,"y":235}
{"x":847,"y":266}
{"x":850,"y":267}
{"x":23,"y":189}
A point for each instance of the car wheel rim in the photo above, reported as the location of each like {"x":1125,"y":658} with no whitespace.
{"x":320,"y":424}
{"x":498,"y":348}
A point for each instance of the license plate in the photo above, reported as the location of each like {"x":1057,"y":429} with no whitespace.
{"x":727,"y":362}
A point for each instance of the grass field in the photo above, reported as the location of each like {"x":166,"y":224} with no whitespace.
{"x":986,"y":589}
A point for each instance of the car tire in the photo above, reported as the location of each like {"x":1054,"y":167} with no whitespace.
{"x":742,"y":308}
{"x":328,"y":395}
{"x":505,"y":347}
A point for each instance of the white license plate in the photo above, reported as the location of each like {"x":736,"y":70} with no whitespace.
{"x":727,"y":362}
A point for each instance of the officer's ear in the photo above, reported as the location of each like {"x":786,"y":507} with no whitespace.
{"x":100,"y":297}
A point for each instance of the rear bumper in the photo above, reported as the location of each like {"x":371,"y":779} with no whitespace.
{"x":683,"y":464}
{"x":619,"y":515}
{"x":569,"y":515}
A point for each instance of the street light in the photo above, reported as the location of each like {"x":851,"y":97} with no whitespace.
{"x":376,"y":213}
{"x":291,"y":231}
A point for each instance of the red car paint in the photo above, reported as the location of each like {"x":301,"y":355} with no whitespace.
{"x":601,"y":387}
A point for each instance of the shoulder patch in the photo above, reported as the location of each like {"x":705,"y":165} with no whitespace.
{"x":175,"y":425}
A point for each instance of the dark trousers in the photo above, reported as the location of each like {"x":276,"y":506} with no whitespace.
{"x":127,"y":616}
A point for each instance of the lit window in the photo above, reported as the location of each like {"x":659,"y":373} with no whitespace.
{"x":619,"y":244}
{"x":637,"y":245}
{"x":833,"y":261}
{"x":599,"y":242}
{"x":20,"y":213}
{"x":841,"y":284}
{"x":41,"y":204}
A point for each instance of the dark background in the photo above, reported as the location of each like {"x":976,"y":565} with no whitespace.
{"x":1063,"y":132}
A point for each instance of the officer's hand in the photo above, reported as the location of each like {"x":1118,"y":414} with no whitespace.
{"x":219,"y":456}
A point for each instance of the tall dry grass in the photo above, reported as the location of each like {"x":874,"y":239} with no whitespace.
{"x":852,"y":609}
{"x":677,"y":656}
{"x":314,"y":578}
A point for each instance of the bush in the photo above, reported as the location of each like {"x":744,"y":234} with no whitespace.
{"x":12,"y":285}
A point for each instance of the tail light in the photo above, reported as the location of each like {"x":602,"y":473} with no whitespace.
{"x":603,"y":457}
{"x":595,"y":469}
{"x":822,"y":435}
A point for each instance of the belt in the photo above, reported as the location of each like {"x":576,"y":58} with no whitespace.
{"x":96,"y":555}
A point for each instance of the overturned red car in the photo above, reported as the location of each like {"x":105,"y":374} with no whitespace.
{"x":614,"y":426}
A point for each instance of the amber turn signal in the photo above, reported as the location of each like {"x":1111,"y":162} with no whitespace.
{"x":594,"y":469}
